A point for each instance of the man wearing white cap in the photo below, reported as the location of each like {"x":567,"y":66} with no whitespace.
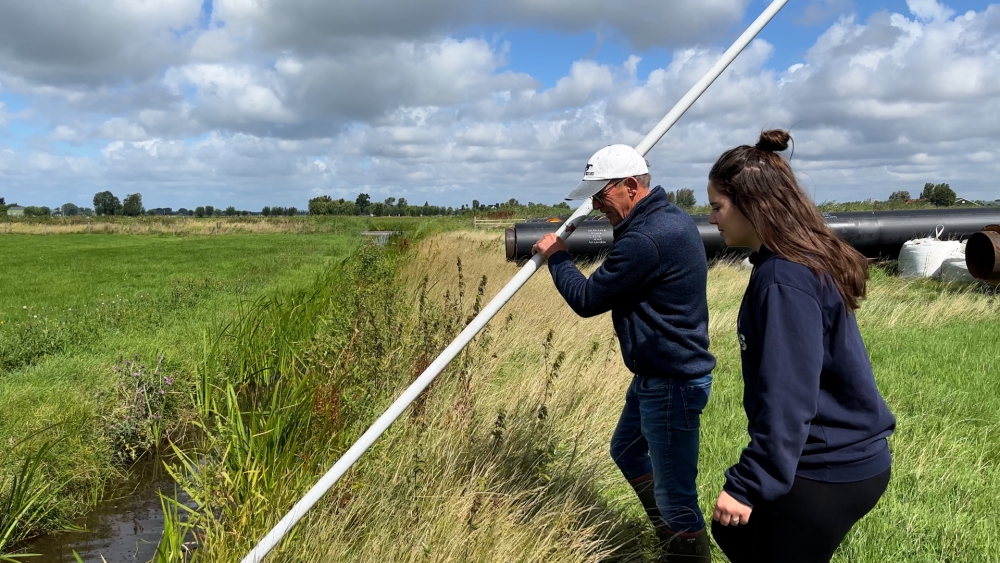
{"x":653,"y":282}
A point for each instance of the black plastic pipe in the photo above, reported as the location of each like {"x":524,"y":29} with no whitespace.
{"x":873,"y":233}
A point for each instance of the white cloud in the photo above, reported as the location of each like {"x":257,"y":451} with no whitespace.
{"x":120,"y":128}
{"x":61,"y":42}
{"x":929,"y":10}
{"x":67,"y":134}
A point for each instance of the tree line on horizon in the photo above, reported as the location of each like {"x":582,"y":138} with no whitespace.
{"x":107,"y":204}
{"x":940,"y":195}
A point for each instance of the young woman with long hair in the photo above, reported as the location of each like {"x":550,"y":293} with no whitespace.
{"x":818,"y":459}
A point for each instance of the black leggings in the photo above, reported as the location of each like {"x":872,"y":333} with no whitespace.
{"x":804,"y":526}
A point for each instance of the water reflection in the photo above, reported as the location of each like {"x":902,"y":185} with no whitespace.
{"x":123,"y":529}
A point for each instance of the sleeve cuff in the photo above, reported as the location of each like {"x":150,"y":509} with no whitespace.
{"x":559,"y":258}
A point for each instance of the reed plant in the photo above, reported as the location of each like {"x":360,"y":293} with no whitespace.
{"x":27,"y":496}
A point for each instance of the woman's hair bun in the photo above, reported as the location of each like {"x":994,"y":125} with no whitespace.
{"x":774,"y":140}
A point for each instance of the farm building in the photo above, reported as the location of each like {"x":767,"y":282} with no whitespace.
{"x":15,"y":211}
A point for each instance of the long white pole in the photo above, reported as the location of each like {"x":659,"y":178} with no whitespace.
{"x":493,"y":307}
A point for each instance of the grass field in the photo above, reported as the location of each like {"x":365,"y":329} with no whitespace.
{"x":505,"y":457}
{"x":72,"y":305}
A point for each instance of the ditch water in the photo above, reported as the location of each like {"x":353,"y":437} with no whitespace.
{"x":125,"y":528}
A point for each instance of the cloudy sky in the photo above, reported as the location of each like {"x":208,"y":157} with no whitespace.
{"x":271,"y":102}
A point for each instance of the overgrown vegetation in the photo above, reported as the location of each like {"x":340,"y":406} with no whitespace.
{"x":504,"y":457}
{"x":80,"y":317}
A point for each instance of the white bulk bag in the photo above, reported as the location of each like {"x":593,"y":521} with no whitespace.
{"x":923,"y":257}
{"x":954,"y":269}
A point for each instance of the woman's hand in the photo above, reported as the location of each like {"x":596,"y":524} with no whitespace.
{"x":730,"y":512}
{"x":549,"y":245}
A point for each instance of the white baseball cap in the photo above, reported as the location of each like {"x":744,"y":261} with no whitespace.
{"x":613,"y":162}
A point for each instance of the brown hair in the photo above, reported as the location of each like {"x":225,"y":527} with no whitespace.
{"x":762,"y":186}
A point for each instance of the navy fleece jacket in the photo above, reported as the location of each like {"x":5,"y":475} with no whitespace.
{"x":812,"y":406}
{"x":653,"y":282}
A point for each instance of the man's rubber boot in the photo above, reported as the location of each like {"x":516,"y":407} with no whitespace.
{"x":643,"y":487}
{"x":684,"y":547}
{"x":676,"y":547}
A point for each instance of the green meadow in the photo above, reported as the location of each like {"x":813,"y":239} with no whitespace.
{"x":281,"y":349}
{"x":75,"y":306}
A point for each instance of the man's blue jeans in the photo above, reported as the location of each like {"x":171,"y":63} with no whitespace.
{"x":658,"y":433}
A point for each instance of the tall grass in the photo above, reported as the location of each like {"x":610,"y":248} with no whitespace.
{"x":504,"y":458}
{"x":207,"y":226}
{"x":27,"y":496}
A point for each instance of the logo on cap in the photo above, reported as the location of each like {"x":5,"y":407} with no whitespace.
{"x":587,"y":171}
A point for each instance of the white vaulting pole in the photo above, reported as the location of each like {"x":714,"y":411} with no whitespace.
{"x":493,"y":307}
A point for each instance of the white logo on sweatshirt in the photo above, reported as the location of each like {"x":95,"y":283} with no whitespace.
{"x":743,"y":341}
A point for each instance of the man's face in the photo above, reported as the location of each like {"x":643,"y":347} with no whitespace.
{"x":616,"y":200}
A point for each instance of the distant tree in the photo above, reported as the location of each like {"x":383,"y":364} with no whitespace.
{"x":685,"y":198}
{"x":86,"y":212}
{"x":266,"y":212}
{"x":475,"y":205}
{"x":70,"y":209}
{"x":182,"y":212}
{"x":291,"y":211}
{"x":901,"y":195}
{"x":132,"y":207}
{"x":390,"y":201}
{"x":322,"y":205}
{"x":230,"y":211}
{"x":105,"y":203}
{"x":199,"y":211}
{"x":216,"y":212}
{"x":928,"y":191}
{"x":943,"y":195}
{"x":209,"y":211}
{"x":671,"y":197}
{"x":35,"y":211}
{"x":363,"y":202}
{"x":151,"y":212}
{"x":513,"y":203}
{"x":377,"y":209}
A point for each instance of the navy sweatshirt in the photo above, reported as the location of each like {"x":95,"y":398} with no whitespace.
{"x":812,"y":406}
{"x":653,"y":282}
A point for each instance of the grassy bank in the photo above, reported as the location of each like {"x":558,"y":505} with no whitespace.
{"x":93,"y":328}
{"x":505,"y":457}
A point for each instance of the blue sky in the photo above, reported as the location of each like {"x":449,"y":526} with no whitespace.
{"x":271,"y":103}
